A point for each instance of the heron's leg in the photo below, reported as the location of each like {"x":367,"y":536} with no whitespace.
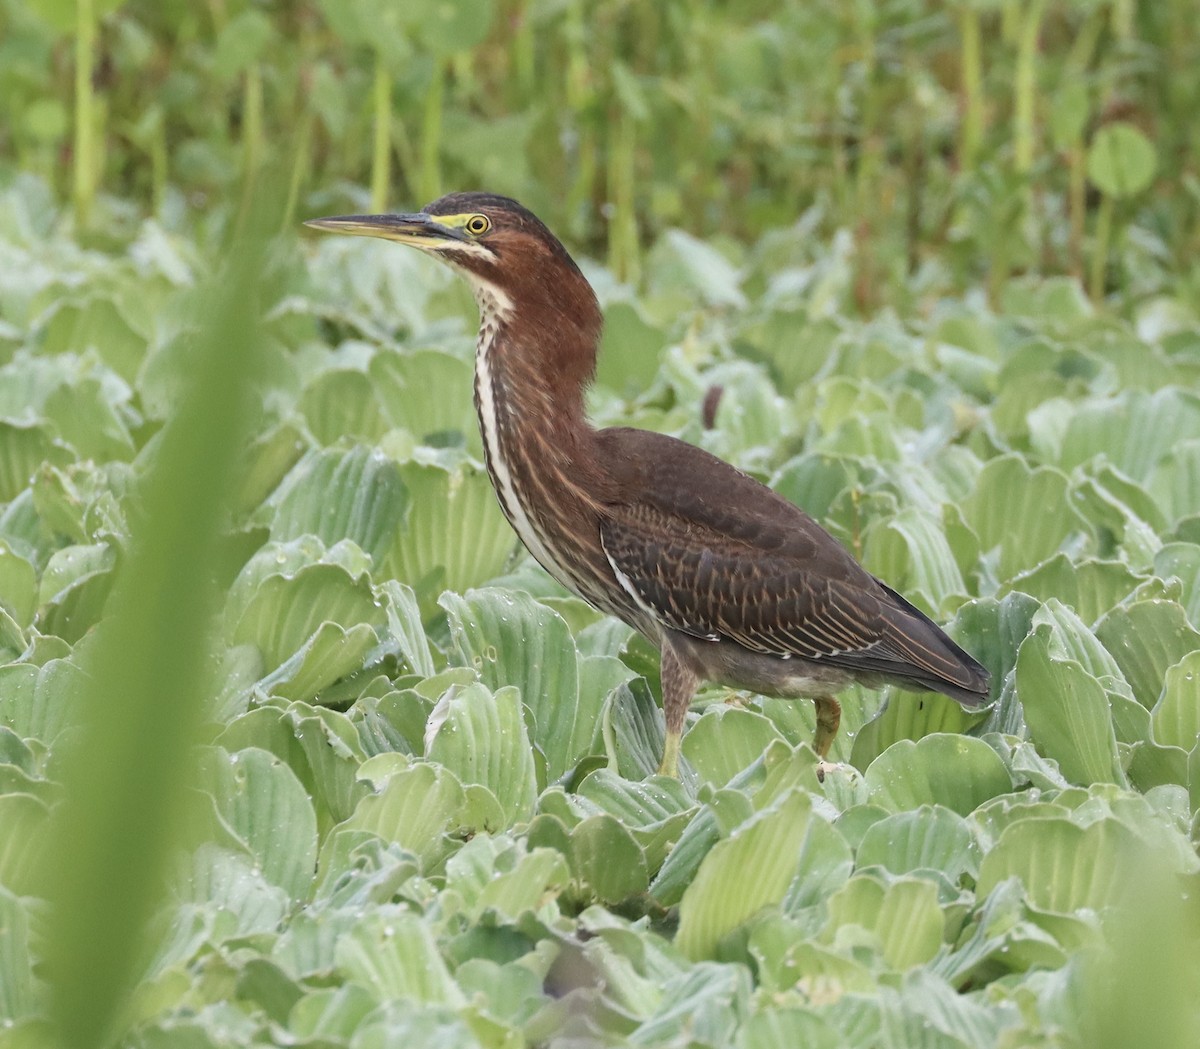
{"x":678,"y":686}
{"x":829,"y":716}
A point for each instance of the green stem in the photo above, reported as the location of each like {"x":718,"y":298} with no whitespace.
{"x":431,"y":135}
{"x":623,"y":236}
{"x":84,"y":184}
{"x":580,"y":97}
{"x":300,"y":159}
{"x":1104,"y":222}
{"x":159,"y":166}
{"x":972,"y":87}
{"x":381,"y":153}
{"x":524,"y":56}
{"x":252,"y":131}
{"x":1076,"y":205}
{"x":1024,"y":130}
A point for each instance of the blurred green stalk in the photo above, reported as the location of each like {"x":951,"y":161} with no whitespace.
{"x":125,"y":772}
{"x":381,"y":146}
{"x":83,"y":185}
{"x":1025,"y":101}
{"x":971,"y":61}
{"x":431,"y":135}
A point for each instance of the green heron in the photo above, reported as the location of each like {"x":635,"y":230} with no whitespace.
{"x":732,"y":582}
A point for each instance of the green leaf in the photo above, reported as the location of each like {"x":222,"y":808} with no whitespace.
{"x":23,"y":823}
{"x":415,"y":808}
{"x":1090,"y":588}
{"x":454,"y":537}
{"x":633,"y":730}
{"x":1063,"y":867}
{"x":1121,"y":160}
{"x":286,"y":591}
{"x":402,"y":382}
{"x":404,"y":625}
{"x":510,"y":639}
{"x":18,"y":585}
{"x":328,"y":655}
{"x":724,"y":741}
{"x":393,"y":952}
{"x":749,"y":870}
{"x":269,"y":810}
{"x":23,"y":448}
{"x":904,"y":917}
{"x":927,"y":838}
{"x":17,"y":988}
{"x":1135,"y":430}
{"x":1021,"y":511}
{"x":1146,"y":639}
{"x":1067,"y":712}
{"x":481,"y":739}
{"x":607,"y":860}
{"x":356,"y":495}
{"x":958,"y":772}
{"x":911,"y":551}
{"x":908,"y":716}
{"x":1176,"y":716}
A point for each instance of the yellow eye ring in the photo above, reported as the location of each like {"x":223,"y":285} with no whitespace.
{"x":477,"y":225}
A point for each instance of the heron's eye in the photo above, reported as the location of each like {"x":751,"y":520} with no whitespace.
{"x":477,"y":225}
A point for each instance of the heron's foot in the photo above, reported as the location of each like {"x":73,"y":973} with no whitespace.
{"x":825,"y":767}
{"x":738,"y":699}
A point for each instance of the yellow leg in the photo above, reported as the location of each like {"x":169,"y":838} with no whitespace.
{"x":678,"y":687}
{"x":669,"y":765}
{"x":829,"y":717}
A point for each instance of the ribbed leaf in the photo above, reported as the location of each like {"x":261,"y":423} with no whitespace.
{"x":341,"y":403}
{"x":724,"y":741}
{"x":23,"y":823}
{"x":393,"y":952}
{"x":415,"y":808}
{"x":1022,"y":511}
{"x":1175,"y":482}
{"x":959,"y":772}
{"x":1069,"y":638}
{"x":1146,"y":639}
{"x":482,"y":740}
{"x":17,"y":989}
{"x":510,"y":639}
{"x":23,"y":448}
{"x":18,"y":585}
{"x":633,"y":730}
{"x":912,"y":553}
{"x":330,"y":654}
{"x":927,"y":838}
{"x":356,"y":495}
{"x":269,"y":810}
{"x":908,"y":715}
{"x":1176,"y":715}
{"x":749,"y":870}
{"x":1063,"y":866}
{"x":607,"y":860}
{"x":403,"y":383}
{"x":454,"y":537}
{"x":904,"y":916}
{"x":1090,"y":588}
{"x":279,"y":611}
{"x":1182,"y":561}
{"x":1067,"y":712}
{"x":1135,"y":430}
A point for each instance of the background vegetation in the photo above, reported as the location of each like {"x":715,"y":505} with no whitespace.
{"x":298,"y":748}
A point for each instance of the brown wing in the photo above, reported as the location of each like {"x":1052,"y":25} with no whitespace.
{"x":713,"y":553}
